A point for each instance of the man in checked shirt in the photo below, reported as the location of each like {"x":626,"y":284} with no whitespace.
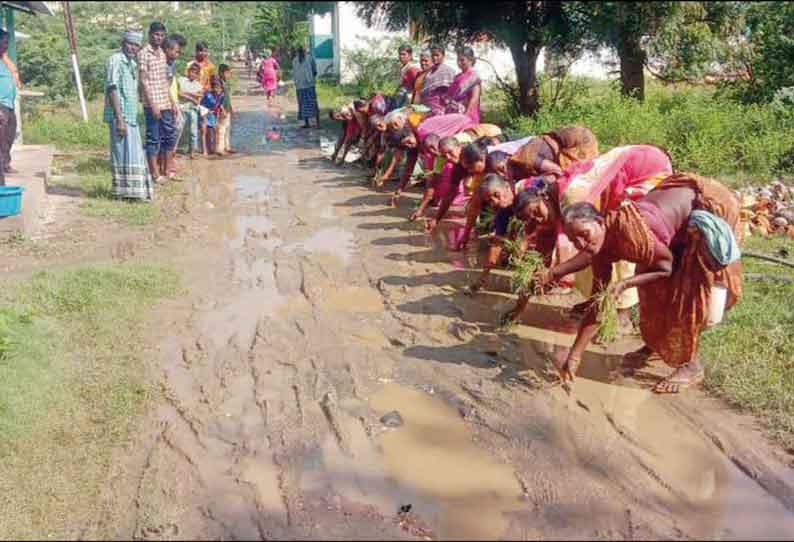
{"x":158,"y":107}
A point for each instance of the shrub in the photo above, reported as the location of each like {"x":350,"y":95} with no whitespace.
{"x":703,"y":134}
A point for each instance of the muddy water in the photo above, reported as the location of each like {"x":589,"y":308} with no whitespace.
{"x":433,"y":454}
{"x":313,"y":295}
{"x":712,"y":496}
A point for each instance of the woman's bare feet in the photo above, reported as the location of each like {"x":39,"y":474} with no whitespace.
{"x":687,"y":375}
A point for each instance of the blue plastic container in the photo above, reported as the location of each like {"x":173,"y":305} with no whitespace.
{"x":10,"y":200}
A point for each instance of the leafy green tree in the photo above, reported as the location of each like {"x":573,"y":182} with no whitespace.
{"x":523,"y":27}
{"x":769,"y":31}
{"x":276,"y":25}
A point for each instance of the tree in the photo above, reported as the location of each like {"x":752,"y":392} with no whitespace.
{"x":624,"y":27}
{"x":275,"y":25}
{"x":769,"y":27}
{"x":523,"y":27}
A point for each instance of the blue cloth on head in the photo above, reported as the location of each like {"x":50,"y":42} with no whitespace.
{"x":718,"y":236}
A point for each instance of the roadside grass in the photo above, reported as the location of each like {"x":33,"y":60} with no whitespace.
{"x":750,"y":358}
{"x":89,"y":174}
{"x":72,"y":378}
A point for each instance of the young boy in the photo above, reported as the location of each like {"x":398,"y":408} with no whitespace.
{"x":213,"y":100}
{"x":190,"y":94}
{"x":225,"y":120}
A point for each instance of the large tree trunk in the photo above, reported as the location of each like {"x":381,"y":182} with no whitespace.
{"x":525,"y":58}
{"x":632,"y":63}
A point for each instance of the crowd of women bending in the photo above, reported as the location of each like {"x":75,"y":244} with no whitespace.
{"x":623,"y":221}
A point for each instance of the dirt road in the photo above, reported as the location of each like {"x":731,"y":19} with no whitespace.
{"x":325,"y":378}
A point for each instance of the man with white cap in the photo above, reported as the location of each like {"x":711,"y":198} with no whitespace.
{"x":128,"y":166}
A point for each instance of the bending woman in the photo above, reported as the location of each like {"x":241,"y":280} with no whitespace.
{"x":554,"y":151}
{"x":628,"y":172}
{"x":683,"y":237}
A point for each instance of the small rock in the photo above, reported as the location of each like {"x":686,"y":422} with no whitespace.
{"x":392,"y":419}
{"x":209,"y":205}
{"x":780,"y":222}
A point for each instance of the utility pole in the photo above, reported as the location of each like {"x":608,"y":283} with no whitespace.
{"x":67,"y":15}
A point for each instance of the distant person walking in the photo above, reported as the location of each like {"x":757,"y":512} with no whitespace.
{"x":268,"y":76}
{"x":304,"y":72}
{"x":158,"y":107}
{"x":8,"y":118}
{"x":128,"y":168}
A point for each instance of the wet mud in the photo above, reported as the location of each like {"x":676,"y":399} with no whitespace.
{"x":314,"y":310}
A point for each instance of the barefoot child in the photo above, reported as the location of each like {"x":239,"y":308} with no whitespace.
{"x":190,"y":94}
{"x":213,"y":101}
{"x":225,"y":120}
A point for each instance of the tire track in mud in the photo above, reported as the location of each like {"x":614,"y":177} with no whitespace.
{"x":267,"y":430}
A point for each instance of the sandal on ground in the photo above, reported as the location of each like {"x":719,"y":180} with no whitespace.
{"x":682,"y":378}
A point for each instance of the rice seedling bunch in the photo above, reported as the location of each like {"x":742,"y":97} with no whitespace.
{"x":607,"y":307}
{"x":525,"y":268}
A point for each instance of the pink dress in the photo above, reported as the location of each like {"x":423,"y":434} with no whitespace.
{"x":267,"y":75}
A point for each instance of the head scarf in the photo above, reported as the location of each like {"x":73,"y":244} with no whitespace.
{"x":267,"y":53}
{"x":718,"y":236}
{"x":133,"y":36}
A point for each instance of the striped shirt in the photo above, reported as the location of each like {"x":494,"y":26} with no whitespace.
{"x":121,"y":72}
{"x":154,"y":74}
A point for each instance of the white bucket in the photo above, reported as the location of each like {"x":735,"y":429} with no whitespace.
{"x":717,"y":300}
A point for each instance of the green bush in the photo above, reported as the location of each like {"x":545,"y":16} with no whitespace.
{"x":703,"y":134}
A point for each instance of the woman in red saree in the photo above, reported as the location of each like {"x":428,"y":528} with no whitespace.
{"x":683,"y":237}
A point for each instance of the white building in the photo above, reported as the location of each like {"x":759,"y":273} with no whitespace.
{"x":352,"y":32}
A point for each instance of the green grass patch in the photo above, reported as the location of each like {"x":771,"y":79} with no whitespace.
{"x":72,"y":378}
{"x":92,"y":179}
{"x":750,"y":358}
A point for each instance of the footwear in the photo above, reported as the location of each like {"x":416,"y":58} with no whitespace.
{"x":161,"y":180}
{"x":682,"y":378}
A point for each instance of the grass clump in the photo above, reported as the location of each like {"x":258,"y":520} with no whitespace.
{"x":96,"y":187}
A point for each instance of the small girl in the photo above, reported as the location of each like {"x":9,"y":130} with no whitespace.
{"x":213,"y":101}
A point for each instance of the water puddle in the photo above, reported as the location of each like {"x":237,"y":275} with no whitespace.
{"x":701,"y":485}
{"x":252,"y":186}
{"x":355,"y":299}
{"x":433,"y":455}
{"x":243,"y":227}
{"x":336,"y":241}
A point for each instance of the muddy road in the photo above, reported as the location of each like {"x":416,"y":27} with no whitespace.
{"x":324,"y":377}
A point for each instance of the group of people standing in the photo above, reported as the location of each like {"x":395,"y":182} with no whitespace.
{"x":624,"y":221}
{"x":304,"y":74}
{"x":199,"y":101}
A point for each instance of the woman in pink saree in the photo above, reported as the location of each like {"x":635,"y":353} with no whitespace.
{"x":463,"y":95}
{"x":268,"y":75}
{"x":624,"y":173}
{"x":435,"y":85}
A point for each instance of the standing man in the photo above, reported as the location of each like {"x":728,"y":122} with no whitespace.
{"x":157,"y":105}
{"x":131,"y":177}
{"x":8,"y":119}
{"x":304,"y":72}
{"x":172,"y":46}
